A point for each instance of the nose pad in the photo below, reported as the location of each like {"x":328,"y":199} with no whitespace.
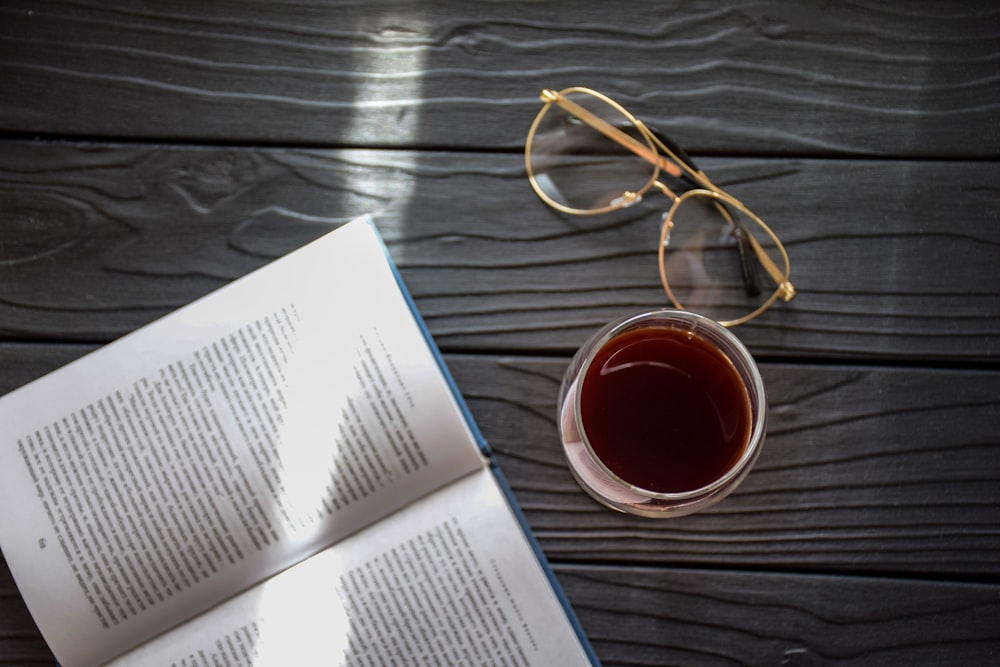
{"x":627,"y":199}
{"x":668,"y":226}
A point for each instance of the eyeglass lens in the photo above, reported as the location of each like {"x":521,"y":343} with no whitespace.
{"x":714,"y":259}
{"x":578,"y":167}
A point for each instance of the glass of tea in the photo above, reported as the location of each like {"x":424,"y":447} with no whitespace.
{"x":662,"y":413}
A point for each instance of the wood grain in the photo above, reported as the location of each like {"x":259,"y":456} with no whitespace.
{"x":20,"y":641}
{"x":657,"y":617}
{"x":864,"y":469}
{"x":781,"y":77}
{"x":101,"y":239}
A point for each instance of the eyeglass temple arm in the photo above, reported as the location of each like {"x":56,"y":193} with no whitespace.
{"x":785,"y":288}
{"x":750,"y":281}
{"x":611,"y":132}
{"x":671,"y":148}
{"x":746,"y":240}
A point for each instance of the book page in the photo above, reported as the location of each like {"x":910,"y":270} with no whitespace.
{"x":450,"y":580}
{"x":179,"y":465}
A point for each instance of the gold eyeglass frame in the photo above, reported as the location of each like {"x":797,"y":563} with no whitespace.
{"x":663,"y":159}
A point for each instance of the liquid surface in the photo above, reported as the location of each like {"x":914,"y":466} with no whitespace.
{"x":664,"y":409}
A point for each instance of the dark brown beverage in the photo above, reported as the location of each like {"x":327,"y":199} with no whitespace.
{"x":664,"y":409}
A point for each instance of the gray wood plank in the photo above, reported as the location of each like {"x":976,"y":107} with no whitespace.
{"x":655,"y":617}
{"x":863,"y":469}
{"x":892,"y":260}
{"x":871,"y":469}
{"x":20,"y":641}
{"x":778,"y":77}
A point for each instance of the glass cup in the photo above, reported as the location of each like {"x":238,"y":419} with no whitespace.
{"x":662,"y":413}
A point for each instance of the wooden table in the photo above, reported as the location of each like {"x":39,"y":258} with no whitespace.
{"x":154,"y":151}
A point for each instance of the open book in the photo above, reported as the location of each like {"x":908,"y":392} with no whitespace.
{"x":279,"y":473}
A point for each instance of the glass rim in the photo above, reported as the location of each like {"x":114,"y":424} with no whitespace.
{"x":628,"y":198}
{"x":759,"y":414}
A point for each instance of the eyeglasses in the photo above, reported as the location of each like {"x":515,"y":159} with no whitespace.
{"x":586,"y":155}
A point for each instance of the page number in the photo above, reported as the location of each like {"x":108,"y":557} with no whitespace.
{"x":41,"y":543}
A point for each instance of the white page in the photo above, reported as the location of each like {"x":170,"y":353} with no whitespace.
{"x":141,"y":486}
{"x":448,"y":580}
